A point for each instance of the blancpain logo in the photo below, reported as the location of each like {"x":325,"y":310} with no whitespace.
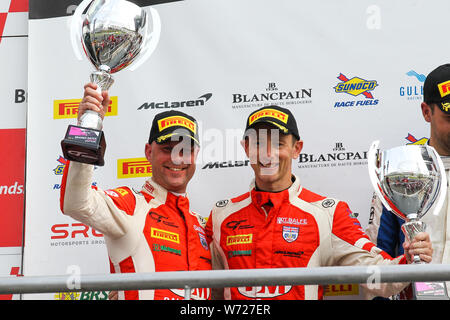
{"x":272,"y":95}
{"x":200,"y":101}
{"x":339,"y":156}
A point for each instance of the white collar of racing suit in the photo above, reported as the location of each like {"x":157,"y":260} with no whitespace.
{"x":294,"y":189}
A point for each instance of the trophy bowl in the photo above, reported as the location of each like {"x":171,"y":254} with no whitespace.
{"x":114,"y":34}
{"x":409,"y":181}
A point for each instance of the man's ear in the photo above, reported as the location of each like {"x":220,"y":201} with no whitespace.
{"x":426,"y":111}
{"x":244,"y":144}
{"x":298,"y":146}
{"x":148,"y":151}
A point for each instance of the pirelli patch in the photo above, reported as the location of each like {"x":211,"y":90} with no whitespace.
{"x":165,"y":235}
{"x":239,"y":239}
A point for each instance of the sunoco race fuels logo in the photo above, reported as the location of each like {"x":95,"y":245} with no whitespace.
{"x":413,"y":140}
{"x":356,"y":87}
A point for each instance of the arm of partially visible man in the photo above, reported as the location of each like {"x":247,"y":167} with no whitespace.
{"x":351,"y":246}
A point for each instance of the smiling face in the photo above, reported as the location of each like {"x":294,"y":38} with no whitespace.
{"x":173,"y":163}
{"x":271,"y":154}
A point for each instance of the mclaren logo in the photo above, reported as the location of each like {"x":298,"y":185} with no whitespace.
{"x":200,"y":101}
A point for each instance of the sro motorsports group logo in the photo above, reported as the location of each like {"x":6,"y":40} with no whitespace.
{"x":356,"y":87}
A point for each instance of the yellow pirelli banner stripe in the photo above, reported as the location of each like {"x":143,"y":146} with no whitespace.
{"x":133,"y":168}
{"x":342,"y":290}
{"x":68,"y":109}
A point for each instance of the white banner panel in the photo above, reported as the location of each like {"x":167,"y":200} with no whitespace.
{"x":350,"y":71}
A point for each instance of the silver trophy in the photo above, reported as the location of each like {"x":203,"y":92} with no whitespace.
{"x":114,"y":34}
{"x":408,"y":180}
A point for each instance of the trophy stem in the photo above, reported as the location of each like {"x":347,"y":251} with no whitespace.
{"x":103,"y":80}
{"x":411,"y":229}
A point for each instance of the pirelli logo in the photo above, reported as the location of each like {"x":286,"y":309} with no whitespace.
{"x":133,"y":168}
{"x":165,"y":235}
{"x":177,"y":121}
{"x":271,"y":113}
{"x":239,"y":239}
{"x":68,"y":109}
{"x":342,"y":290}
{"x":444,"y":88}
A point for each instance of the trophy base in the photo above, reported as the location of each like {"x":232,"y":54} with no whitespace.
{"x":84,"y":145}
{"x":424,"y":291}
{"x":430,"y":291}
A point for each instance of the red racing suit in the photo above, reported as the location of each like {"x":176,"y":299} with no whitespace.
{"x":298,"y":229}
{"x":147,"y":231}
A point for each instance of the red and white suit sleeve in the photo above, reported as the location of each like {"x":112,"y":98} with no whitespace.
{"x":351,"y":246}
{"x":88,"y":204}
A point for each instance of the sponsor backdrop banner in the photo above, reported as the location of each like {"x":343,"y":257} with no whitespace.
{"x":13,"y":85}
{"x":350,"y":71}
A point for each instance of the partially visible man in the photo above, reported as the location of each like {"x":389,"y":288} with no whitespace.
{"x":280,"y":224}
{"x":152,"y":229}
{"x":384,"y":227}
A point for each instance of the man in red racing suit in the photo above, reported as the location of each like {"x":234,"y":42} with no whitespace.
{"x":301,"y":229}
{"x":280,"y":224}
{"x":147,"y":231}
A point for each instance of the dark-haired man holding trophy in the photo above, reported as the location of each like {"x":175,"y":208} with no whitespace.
{"x":149,"y":230}
{"x":385,"y":227}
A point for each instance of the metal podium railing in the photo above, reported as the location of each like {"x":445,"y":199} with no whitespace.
{"x":226,"y":278}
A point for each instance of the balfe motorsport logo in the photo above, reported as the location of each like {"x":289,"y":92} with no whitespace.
{"x":356,"y":87}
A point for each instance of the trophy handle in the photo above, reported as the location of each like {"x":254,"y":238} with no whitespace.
{"x":443,"y":183}
{"x":75,"y":30}
{"x":373,"y":170}
{"x":151,"y":41}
